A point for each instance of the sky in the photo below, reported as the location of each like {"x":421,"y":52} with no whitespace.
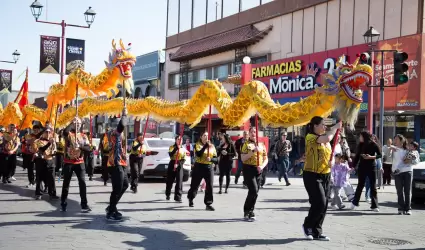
{"x":140,"y":22}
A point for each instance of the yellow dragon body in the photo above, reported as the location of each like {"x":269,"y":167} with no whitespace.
{"x":341,"y":92}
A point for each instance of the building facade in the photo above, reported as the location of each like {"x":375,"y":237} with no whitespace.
{"x":313,"y":31}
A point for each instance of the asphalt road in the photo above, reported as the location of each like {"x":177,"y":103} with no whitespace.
{"x":153,"y":223}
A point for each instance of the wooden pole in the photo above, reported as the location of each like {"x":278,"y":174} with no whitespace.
{"x":124,"y":92}
{"x":145,"y":128}
{"x":76,"y":113}
{"x":209,"y":129}
{"x":256,"y":139}
{"x":178,"y":149}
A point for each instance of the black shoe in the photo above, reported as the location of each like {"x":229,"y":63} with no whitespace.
{"x":135,"y":190}
{"x":191,"y":204}
{"x":115,"y":216}
{"x":209,"y":208}
{"x":288,"y":184}
{"x":38,"y":197}
{"x":219,"y":192}
{"x":90,"y":178}
{"x":251,"y":216}
{"x":225,"y":191}
{"x":178,"y":200}
{"x":4,"y":181}
{"x":246,"y":215}
{"x":308,"y":232}
{"x":54,"y":197}
{"x":280,"y":179}
{"x":63,"y":207}
{"x":322,"y":238}
{"x":105,"y":183}
{"x":236,"y":181}
{"x":85,"y":209}
{"x":9,"y":181}
{"x":167,"y":198}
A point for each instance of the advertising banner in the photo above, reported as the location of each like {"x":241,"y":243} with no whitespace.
{"x":75,"y":50}
{"x":146,"y":67}
{"x":49,"y":54}
{"x":5,"y":80}
{"x":287,"y":79}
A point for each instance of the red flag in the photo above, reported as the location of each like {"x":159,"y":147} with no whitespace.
{"x":22,"y":97}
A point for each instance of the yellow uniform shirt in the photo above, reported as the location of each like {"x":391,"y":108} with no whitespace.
{"x":249,"y":146}
{"x":140,"y":150}
{"x":182,"y":153}
{"x":211,"y":153}
{"x":317,"y":155}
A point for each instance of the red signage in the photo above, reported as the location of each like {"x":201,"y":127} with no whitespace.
{"x":288,"y":78}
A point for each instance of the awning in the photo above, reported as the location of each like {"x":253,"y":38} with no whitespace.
{"x":215,"y":44}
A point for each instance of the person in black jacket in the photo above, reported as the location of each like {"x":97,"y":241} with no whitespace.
{"x":367,"y":153}
{"x":89,"y":156}
{"x":138,"y":152}
{"x":238,"y":146}
{"x":226,"y":151}
{"x":175,"y":170}
{"x":205,"y":158}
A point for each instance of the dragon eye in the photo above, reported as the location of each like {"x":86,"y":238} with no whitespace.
{"x":345,"y":70}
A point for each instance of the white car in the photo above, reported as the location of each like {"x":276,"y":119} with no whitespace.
{"x":155,"y":163}
{"x":97,"y":161}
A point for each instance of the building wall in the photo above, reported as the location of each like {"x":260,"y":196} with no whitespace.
{"x":326,"y":26}
{"x":6,"y":98}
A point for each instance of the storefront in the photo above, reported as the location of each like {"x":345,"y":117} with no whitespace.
{"x":288,"y":81}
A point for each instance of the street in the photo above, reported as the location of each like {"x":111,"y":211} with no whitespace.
{"x":152,"y":223}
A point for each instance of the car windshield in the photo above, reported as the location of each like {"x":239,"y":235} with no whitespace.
{"x":159,"y":143}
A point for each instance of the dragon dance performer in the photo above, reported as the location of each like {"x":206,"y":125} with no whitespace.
{"x":117,"y":162}
{"x":251,"y":172}
{"x":88,"y":156}
{"x":28,"y":154}
{"x":205,"y":158}
{"x":138,"y":152}
{"x":104,"y":149}
{"x":175,"y":171}
{"x":74,"y":162}
{"x":45,"y":149}
{"x":12,"y":143}
{"x":60,"y":150}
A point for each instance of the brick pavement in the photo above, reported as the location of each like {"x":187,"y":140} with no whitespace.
{"x":155,"y":224}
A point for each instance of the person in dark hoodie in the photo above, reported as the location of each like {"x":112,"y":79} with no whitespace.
{"x":205,"y":158}
{"x":226,"y":152}
{"x":138,"y":152}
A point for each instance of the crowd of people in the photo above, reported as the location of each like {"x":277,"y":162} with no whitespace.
{"x":325,"y":170}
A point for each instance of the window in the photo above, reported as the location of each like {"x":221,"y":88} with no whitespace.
{"x":199,"y":15}
{"x":248,"y":4}
{"x":221,"y":72}
{"x":230,"y":7}
{"x":214,"y":10}
{"x":185,"y":15}
{"x":174,"y":80}
{"x":260,"y":59}
{"x":202,"y":74}
{"x":173,"y":16}
{"x":155,"y":143}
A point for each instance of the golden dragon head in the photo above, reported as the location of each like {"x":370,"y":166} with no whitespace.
{"x":122,"y":59}
{"x":345,"y":84}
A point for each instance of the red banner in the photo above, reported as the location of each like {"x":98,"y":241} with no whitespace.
{"x":287,"y":78}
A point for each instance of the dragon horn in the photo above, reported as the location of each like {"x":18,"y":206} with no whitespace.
{"x":356,"y":62}
{"x":341,"y":61}
{"x":122,"y":45}
{"x":114,"y":45}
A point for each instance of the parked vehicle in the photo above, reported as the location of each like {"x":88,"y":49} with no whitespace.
{"x":418,"y":185}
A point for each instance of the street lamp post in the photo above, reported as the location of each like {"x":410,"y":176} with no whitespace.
{"x":90,"y":14}
{"x":15,"y":56}
{"x":369,"y":36}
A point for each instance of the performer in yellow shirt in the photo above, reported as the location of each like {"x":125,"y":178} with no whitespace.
{"x":175,"y":170}
{"x":205,"y":158}
{"x":138,"y":152}
{"x":252,"y":169}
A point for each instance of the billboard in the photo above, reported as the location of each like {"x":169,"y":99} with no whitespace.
{"x":49,"y":54}
{"x":75,"y":50}
{"x":288,"y":81}
{"x":6,"y":79}
{"x":147,"y":67}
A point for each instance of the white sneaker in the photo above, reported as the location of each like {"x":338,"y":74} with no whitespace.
{"x":409,"y":212}
{"x":375,"y":209}
{"x":334,"y":207}
{"x":368,"y":200}
{"x":352,"y":206}
{"x":13,"y":178}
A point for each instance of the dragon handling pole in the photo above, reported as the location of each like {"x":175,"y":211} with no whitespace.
{"x":178,"y":149}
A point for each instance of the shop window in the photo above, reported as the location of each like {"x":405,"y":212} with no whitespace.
{"x":260,"y":59}
{"x":221,"y":72}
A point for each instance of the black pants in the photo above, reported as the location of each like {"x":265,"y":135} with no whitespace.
{"x":225,"y":169}
{"x":403,"y":185}
{"x":252,"y":180}
{"x":176,"y":175}
{"x":28,"y":164}
{"x":119,"y":181}
{"x":318,"y":188}
{"x":135,"y":169}
{"x":387,"y":173}
{"x":80,"y":172}
{"x":105,"y":171}
{"x":45,"y":171}
{"x":11,"y":165}
{"x":199,"y":172}
{"x":3,"y":166}
{"x":88,"y":161}
{"x":362,"y":173}
{"x":59,"y":162}
{"x":264,"y":176}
